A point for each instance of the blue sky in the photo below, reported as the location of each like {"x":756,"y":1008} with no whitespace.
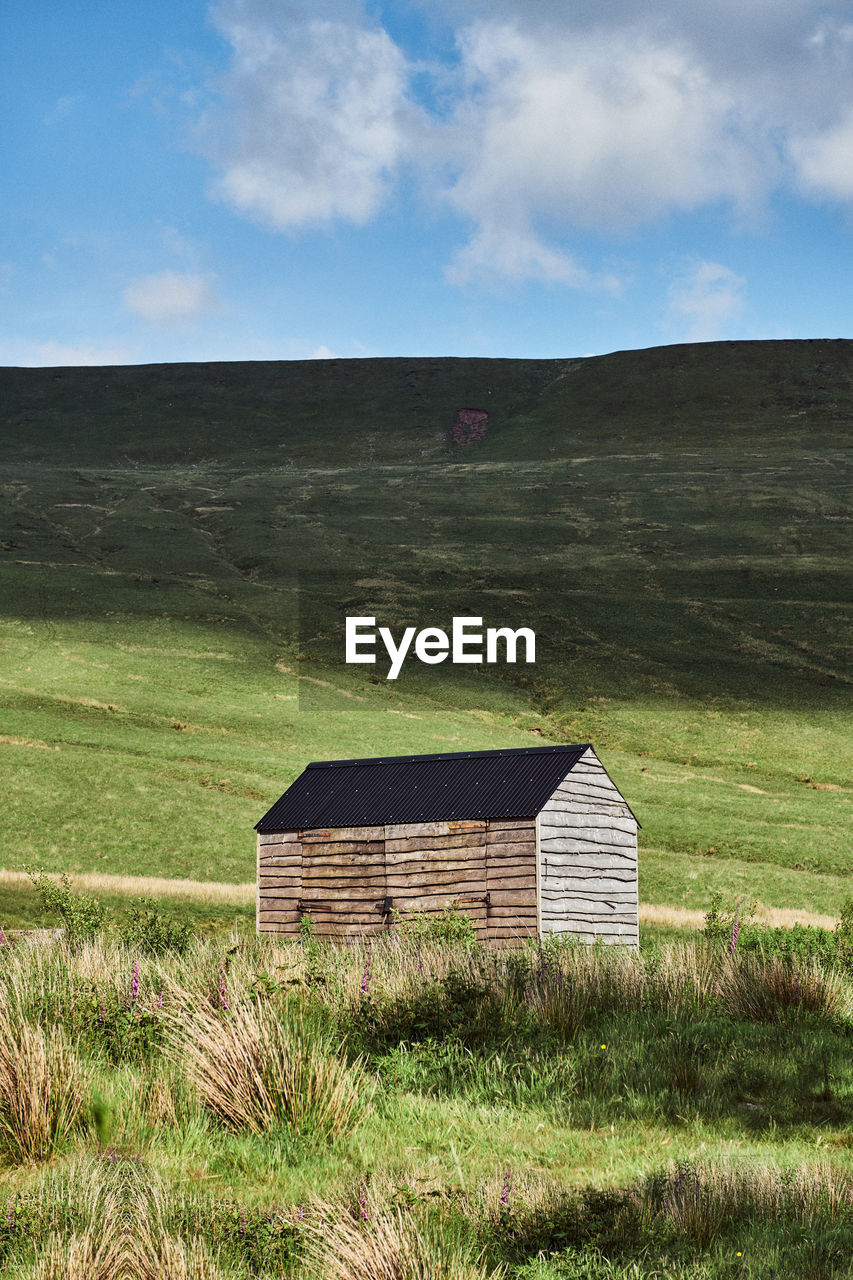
{"x":254,"y":179}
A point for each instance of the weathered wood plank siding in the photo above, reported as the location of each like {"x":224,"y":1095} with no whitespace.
{"x":279,"y":882}
{"x":344,"y":878}
{"x":344,"y":881}
{"x":588,"y":858}
{"x":511,"y":880}
{"x":430,"y":863}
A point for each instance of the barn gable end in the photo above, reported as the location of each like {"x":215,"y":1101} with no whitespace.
{"x":587,"y":839}
{"x":529,"y":841}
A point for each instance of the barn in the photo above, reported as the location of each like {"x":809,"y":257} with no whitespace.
{"x":529,"y":842}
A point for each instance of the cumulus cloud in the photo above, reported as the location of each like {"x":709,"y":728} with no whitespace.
{"x":313,"y":116}
{"x":551,"y":120}
{"x":170,"y":298}
{"x":824,"y":159}
{"x":705,"y":299}
{"x":588,"y":133}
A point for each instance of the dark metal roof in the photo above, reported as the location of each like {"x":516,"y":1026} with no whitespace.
{"x":454,"y":786}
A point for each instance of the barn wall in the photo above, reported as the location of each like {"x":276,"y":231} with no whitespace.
{"x":344,"y":877}
{"x":511,"y":879}
{"x":588,"y":858}
{"x":279,"y":881}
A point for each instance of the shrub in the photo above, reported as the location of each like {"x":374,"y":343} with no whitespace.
{"x":118,"y":1028}
{"x":42,"y":1089}
{"x":146,"y":929}
{"x":448,"y":925}
{"x":82,"y":915}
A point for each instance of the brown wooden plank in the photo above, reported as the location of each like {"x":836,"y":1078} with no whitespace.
{"x":512,"y":878}
{"x":428,"y":869}
{"x":462,"y":870}
{"x":520,"y":898}
{"x":415,"y":900}
{"x":278,"y":837}
{"x":510,"y":824}
{"x":462,"y":840}
{"x":265,"y":883}
{"x":435,"y":876}
{"x":335,"y":848}
{"x":342,"y":861}
{"x":405,"y":830}
{"x":329,"y":879}
{"x":458,"y":883}
{"x":515,"y":849}
{"x":522,"y":912}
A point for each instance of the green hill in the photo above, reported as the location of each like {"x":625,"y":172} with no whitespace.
{"x":181,"y":543}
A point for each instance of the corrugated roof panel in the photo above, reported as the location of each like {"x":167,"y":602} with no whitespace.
{"x":454,"y":786}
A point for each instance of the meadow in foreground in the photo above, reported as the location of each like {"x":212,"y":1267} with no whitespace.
{"x":422,"y":1107}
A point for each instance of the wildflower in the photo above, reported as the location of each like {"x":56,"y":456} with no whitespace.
{"x":102,"y":1012}
{"x":3,"y":938}
{"x":242,"y":1224}
{"x":160,"y":1000}
{"x":604,"y":1046}
{"x":505,"y":1190}
{"x":366,"y":977}
{"x":362,"y":1202}
{"x":299,"y":1213}
{"x":134,"y":986}
{"x":223,"y":994}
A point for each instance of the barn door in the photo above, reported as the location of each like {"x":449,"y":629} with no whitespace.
{"x":343,"y":881}
{"x":430,"y":864}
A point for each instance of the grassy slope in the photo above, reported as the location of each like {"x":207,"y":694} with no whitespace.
{"x":181,"y":541}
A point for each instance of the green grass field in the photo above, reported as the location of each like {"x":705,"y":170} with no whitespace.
{"x":180,"y":545}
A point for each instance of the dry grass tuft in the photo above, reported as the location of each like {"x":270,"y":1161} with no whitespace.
{"x":765,"y":988}
{"x":43,"y":1087}
{"x":255,"y":1067}
{"x":699,"y":1199}
{"x":391,"y":1244}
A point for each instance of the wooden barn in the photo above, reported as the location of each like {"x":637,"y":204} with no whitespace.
{"x":528,"y":842}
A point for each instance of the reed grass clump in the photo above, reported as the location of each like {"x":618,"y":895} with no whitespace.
{"x":389,"y":1242}
{"x":256,"y":1067}
{"x":43,"y":1089}
{"x":768,"y":989}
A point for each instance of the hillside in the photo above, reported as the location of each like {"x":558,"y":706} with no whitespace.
{"x":180,"y":544}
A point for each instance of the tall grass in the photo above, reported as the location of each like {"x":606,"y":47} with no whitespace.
{"x":43,"y":1088}
{"x":388,"y":1242}
{"x":255,"y":1067}
{"x":120,"y":1230}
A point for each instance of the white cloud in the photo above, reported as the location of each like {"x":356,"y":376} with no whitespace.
{"x":554,"y":119}
{"x":705,"y":299}
{"x":588,"y":133}
{"x":824,"y":159}
{"x":314,"y":116}
{"x":169,"y":298}
{"x":323,"y":353}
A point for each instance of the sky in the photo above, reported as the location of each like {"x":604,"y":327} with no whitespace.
{"x":255,"y":179}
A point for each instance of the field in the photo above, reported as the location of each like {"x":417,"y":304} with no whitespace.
{"x":180,"y":546}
